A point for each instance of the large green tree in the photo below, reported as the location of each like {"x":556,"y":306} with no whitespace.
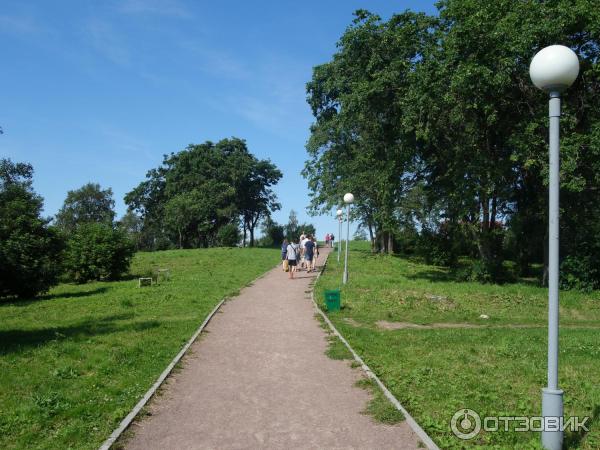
{"x":444,"y":105}
{"x":203,"y":188}
{"x":482,"y":125}
{"x":30,"y":250}
{"x":357,"y":144}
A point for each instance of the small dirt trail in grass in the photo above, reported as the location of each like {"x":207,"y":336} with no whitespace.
{"x":260,"y":379}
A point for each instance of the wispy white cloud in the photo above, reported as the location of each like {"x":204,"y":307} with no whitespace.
{"x":106,"y":41}
{"x":171,"y":8}
{"x":19,"y":25}
{"x":275,"y":100}
{"x":215,"y":61}
{"x":123,"y":142}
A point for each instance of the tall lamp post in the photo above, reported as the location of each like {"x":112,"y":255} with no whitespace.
{"x":553,"y":69}
{"x":348,"y":200}
{"x":340,"y":217}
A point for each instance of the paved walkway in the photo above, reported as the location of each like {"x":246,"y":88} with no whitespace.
{"x":260,"y":379}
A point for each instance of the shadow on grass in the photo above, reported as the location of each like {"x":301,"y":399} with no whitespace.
{"x":12,"y":341}
{"x":434,"y":276}
{"x":73,"y":294}
{"x":461,"y":270}
{"x":575,"y":439}
{"x":459,"y":274}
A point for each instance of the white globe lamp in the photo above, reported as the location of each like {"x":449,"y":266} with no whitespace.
{"x":554,"y":68}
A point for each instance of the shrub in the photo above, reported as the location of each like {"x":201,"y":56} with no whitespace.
{"x":97,"y":251}
{"x":581,"y":272}
{"x":486,"y":272}
{"x":437,"y":248}
{"x":228,"y":235}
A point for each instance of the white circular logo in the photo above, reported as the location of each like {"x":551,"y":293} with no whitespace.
{"x":465,"y":424}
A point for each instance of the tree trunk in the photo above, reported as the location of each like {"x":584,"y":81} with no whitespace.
{"x":390,"y":240}
{"x":252,"y":226}
{"x":371,"y":237}
{"x":244,"y":241}
{"x":494,"y":211}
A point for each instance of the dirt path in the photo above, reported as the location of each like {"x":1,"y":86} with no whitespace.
{"x":260,"y":379}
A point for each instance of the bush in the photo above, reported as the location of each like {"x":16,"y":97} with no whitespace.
{"x":437,"y":248}
{"x":407,"y":241}
{"x":580,"y":272}
{"x":485,"y":272}
{"x":29,"y":248}
{"x":228,"y":235}
{"x":97,"y":251}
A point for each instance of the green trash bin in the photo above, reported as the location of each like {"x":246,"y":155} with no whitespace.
{"x":332,"y":300}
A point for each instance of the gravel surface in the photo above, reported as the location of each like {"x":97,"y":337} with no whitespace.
{"x":259,"y":378}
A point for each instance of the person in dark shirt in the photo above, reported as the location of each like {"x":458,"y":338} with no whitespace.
{"x":309,"y":252}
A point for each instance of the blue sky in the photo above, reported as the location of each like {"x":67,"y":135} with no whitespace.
{"x":100,"y":90}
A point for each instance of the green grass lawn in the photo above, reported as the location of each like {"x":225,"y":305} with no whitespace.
{"x":497,"y":367}
{"x":74,"y":362}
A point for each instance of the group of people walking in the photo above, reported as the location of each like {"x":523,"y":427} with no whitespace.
{"x":301,"y":255}
{"x":329,"y":238}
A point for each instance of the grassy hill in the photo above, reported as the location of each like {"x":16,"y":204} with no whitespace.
{"x":420,"y":330}
{"x":74,"y":362}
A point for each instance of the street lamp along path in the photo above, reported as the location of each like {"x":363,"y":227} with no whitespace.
{"x":340,"y":217}
{"x":348,"y":200}
{"x":553,"y":69}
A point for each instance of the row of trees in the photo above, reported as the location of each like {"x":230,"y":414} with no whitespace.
{"x":199,"y":197}
{"x":434,"y":125}
{"x":84,"y":245}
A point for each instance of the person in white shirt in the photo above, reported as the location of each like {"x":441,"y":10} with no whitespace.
{"x":292,"y":256}
{"x":303,"y":240}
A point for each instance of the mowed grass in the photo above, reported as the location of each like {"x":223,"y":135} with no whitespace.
{"x":74,"y":362}
{"x":496,"y":367}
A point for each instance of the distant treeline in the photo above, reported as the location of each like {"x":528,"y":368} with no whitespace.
{"x":433,"y":124}
{"x":206,"y":195}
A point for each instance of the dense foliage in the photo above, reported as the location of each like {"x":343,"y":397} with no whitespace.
{"x":434,"y":125}
{"x":88,"y":204}
{"x":194,"y":194}
{"x":97,"y":248}
{"x":97,"y":251}
{"x":29,"y":248}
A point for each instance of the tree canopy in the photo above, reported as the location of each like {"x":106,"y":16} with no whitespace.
{"x":88,"y":204}
{"x":198,"y":191}
{"x":434,"y":125}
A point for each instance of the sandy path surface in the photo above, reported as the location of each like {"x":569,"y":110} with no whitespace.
{"x":259,"y":378}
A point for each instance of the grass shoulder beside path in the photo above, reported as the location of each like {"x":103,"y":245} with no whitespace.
{"x":74,"y":362}
{"x":496,"y":367}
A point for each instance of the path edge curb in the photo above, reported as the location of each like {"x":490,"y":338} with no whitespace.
{"x":129,"y":418}
{"x":423,"y":436}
